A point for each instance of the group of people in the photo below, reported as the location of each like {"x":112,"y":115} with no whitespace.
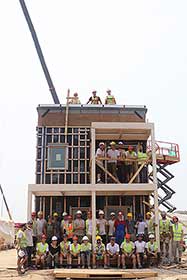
{"x":94,"y":99}
{"x":121,"y":163}
{"x":119,"y":240}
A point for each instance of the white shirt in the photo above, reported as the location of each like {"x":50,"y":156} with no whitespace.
{"x":100,"y":153}
{"x":140,"y":246}
{"x":141,"y":227}
{"x":111,"y":227}
{"x":29,"y":236}
{"x":101,"y":223}
{"x":89,"y":227}
{"x":114,"y":154}
{"x":112,"y":249}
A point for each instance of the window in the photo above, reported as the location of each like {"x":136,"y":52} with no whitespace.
{"x":58,"y":156}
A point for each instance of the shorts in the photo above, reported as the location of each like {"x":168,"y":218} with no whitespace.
{"x":25,"y":251}
{"x":165,"y":238}
{"x":99,"y":257}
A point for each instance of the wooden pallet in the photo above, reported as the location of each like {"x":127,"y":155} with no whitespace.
{"x":104,"y":273}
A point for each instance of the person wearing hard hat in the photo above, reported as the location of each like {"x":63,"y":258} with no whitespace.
{"x":165,"y":229}
{"x":102,"y":224}
{"x":121,"y":170}
{"x":113,"y":156}
{"x":130,"y":226}
{"x":112,"y":252}
{"x":21,"y":246}
{"x":150,"y":225}
{"x":94,"y":99}
{"x":41,"y":225}
{"x":29,"y":236}
{"x":142,"y":157}
{"x":140,"y":250}
{"x":75,"y":99}
{"x":111,"y":222}
{"x":100,"y":154}
{"x":79,"y":226}
{"x":42,"y":250}
{"x":86,"y":249}
{"x":75,"y":249}
{"x":131,"y":155}
{"x":56,"y":224}
{"x":54,"y":253}
{"x":89,"y":225}
{"x":99,"y":253}
{"x":128,"y":250}
{"x":65,"y":250}
{"x":152,"y":250}
{"x":120,"y":227}
{"x":64,"y":222}
{"x":49,"y":229}
{"x":110,"y":99}
{"x":141,"y":225}
{"x":177,"y":239}
{"x":69,"y":228}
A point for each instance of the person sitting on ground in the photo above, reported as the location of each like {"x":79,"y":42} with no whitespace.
{"x":42,"y":250}
{"x":111,"y":228}
{"x":120,"y":227}
{"x":141,"y":225}
{"x":110,"y":99}
{"x":79,"y":226}
{"x":21,"y":246}
{"x":128,"y":248}
{"x":86,"y":248}
{"x":102,"y":226}
{"x":65,"y":250}
{"x":94,"y":99}
{"x":75,"y":99}
{"x":75,"y":249}
{"x":140,"y":250}
{"x":89,"y":226}
{"x":130,"y":226}
{"x":113,"y":155}
{"x":100,"y":153}
{"x":29,"y":236}
{"x":112,"y":250}
{"x":54,"y":252}
{"x":99,"y":253}
{"x":152,"y":251}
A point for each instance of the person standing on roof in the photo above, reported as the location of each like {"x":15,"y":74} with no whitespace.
{"x":177,"y":238}
{"x":79,"y":226}
{"x":113,"y":155}
{"x":94,"y":99}
{"x":110,"y":99}
{"x":165,"y":228}
{"x":75,"y":99}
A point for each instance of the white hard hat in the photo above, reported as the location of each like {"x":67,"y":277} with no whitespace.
{"x":101,"y":212}
{"x":21,"y":253}
{"x":101,"y":144}
{"x":54,"y":238}
{"x":85,"y":238}
{"x":79,"y":212}
{"x":151,"y":236}
{"x":112,"y":214}
{"x":64,"y":214}
{"x":120,"y":143}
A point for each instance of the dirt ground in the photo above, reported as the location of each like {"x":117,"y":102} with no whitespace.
{"x":8,"y":270}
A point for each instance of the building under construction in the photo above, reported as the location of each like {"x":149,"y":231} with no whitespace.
{"x":67,"y":139}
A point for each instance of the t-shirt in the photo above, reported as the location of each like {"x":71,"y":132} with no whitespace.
{"x":130,"y":155}
{"x":112,"y":249}
{"x":141,"y":227}
{"x":100,"y":153}
{"x":40,"y":225}
{"x":114,"y":154}
{"x":50,"y":230}
{"x":111,"y":227}
{"x":99,"y":249}
{"x":140,"y":246}
{"x":54,"y":250}
{"x":89,"y":226}
{"x":130,"y":226}
{"x":79,"y":223}
{"x":101,"y":223}
{"x":127,"y":247}
{"x":86,"y":247}
{"x":29,"y":236}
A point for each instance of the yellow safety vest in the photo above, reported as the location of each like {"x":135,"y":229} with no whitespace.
{"x":65,"y":247}
{"x":155,"y":246}
{"x":23,"y":240}
{"x":164,"y":227}
{"x":42,"y":248}
{"x":75,"y":249}
{"x":177,"y":232}
{"x":128,"y":247}
{"x":110,"y":100}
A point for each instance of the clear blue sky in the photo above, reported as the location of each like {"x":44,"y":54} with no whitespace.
{"x":137,"y":48}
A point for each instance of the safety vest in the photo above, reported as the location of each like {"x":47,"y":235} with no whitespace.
{"x":164,"y":227}
{"x":65,"y":247}
{"x":110,"y":100}
{"x":86,"y":247}
{"x":95,"y":100}
{"x":42,"y":248}
{"x":75,"y":249}
{"x":127,"y":247}
{"x":150,"y":226}
{"x":23,"y":240}
{"x":177,"y":232}
{"x":69,"y":229}
{"x":142,"y":157}
{"x":99,"y":249}
{"x":155,"y":246}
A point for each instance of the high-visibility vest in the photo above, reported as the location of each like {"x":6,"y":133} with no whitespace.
{"x":23,"y":240}
{"x":69,"y":229}
{"x":75,"y":249}
{"x":86,"y":247}
{"x":110,"y":99}
{"x":164,"y":227}
{"x":127,"y":247}
{"x":95,"y":100}
{"x":150,"y":226}
{"x":65,"y":247}
{"x":177,"y":232}
{"x":155,"y":246}
{"x":42,"y":248}
{"x":141,"y":156}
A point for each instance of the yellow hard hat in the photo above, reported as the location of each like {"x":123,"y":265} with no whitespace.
{"x":98,"y":237}
{"x":129,"y":215}
{"x":55,"y":214}
{"x":148,"y":214}
{"x":113,"y":143}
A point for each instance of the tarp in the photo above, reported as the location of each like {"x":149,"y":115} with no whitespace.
{"x":7,"y":233}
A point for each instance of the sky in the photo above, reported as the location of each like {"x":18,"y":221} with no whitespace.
{"x":136,"y":48}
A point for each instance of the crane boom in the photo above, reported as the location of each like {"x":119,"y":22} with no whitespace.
{"x":39,"y":52}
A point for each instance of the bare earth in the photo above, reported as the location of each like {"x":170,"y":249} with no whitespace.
{"x":8,"y":270}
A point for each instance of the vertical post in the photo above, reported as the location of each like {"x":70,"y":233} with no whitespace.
{"x":93,"y":217}
{"x":29,"y":205}
{"x":51,"y":205}
{"x":92,"y":156}
{"x":153,"y":148}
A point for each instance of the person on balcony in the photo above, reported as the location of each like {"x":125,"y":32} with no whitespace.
{"x":100,"y":153}
{"x":75,"y":99}
{"x":110,"y":99}
{"x":131,"y":155}
{"x":142,"y":157}
{"x":79,"y":226}
{"x":94,"y":99}
{"x":121,"y":167}
{"x":102,"y":225}
{"x":113,"y":155}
